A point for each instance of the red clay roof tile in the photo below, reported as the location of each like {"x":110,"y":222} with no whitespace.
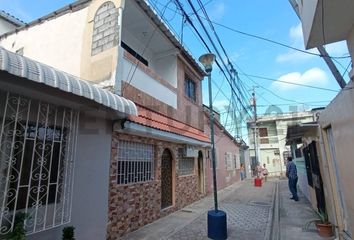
{"x":152,"y":119}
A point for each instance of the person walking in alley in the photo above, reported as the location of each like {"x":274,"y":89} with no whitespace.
{"x":291,"y":173}
{"x":242,"y":171}
{"x":265,"y":172}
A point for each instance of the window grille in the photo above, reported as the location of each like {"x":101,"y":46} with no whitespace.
{"x":135,"y":162}
{"x":228,"y":161}
{"x":37,"y":151}
{"x":185,"y":165}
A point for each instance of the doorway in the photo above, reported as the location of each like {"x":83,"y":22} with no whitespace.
{"x":166,"y":179}
{"x":200,"y":173}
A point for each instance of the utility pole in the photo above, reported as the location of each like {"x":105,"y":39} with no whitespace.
{"x":255,"y":142}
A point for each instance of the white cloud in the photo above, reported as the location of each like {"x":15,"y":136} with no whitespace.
{"x":220,"y":105}
{"x":297,"y":41}
{"x":314,"y":76}
{"x":296,"y":32}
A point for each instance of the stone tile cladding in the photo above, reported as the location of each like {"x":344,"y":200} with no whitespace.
{"x":132,"y":206}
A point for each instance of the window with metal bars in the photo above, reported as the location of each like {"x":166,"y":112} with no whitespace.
{"x":37,"y":151}
{"x":185,"y":165}
{"x":135,"y":162}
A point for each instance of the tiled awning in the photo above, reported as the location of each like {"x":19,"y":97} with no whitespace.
{"x":27,"y":68}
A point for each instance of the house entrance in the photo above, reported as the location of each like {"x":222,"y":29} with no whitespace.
{"x":200,"y":172}
{"x":166,"y":179}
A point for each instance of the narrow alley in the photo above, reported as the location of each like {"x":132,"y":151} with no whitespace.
{"x":252,"y":213}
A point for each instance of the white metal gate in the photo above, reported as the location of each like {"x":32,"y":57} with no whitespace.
{"x":37,"y":149}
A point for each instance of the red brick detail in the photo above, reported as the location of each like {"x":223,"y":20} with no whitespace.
{"x":135,"y":205}
{"x":156,"y":120}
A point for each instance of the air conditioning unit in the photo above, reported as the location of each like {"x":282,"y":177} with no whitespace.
{"x":190,"y":151}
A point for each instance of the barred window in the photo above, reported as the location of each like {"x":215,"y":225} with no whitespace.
{"x":135,"y":162}
{"x":37,"y":151}
{"x":186,"y":166}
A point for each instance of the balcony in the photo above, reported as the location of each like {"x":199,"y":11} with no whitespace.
{"x":149,"y":59}
{"x":147,"y":80}
{"x":325,"y":21}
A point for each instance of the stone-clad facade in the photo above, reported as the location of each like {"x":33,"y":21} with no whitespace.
{"x":132,"y":206}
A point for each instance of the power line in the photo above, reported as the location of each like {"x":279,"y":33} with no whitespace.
{"x":297,"y":84}
{"x":206,"y":45}
{"x":275,"y":42}
{"x":267,"y":39}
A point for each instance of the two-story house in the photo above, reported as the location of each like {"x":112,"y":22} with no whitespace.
{"x":269,"y":137}
{"x":229,"y":154}
{"x":157,"y":157}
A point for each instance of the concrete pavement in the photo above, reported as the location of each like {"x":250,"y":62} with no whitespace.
{"x":248,"y":211}
{"x":253,"y":213}
{"x":294,"y":215}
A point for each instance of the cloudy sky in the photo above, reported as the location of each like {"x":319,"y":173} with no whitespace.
{"x":272,"y":19}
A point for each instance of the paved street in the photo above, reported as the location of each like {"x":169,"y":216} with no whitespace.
{"x":250,"y":215}
{"x":293,"y":216}
{"x":248,"y":212}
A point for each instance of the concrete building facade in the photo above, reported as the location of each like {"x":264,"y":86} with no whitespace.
{"x":270,"y":137}
{"x":157,"y":161}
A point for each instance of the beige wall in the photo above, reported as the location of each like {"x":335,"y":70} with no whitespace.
{"x":339,"y":115}
{"x":57,"y":42}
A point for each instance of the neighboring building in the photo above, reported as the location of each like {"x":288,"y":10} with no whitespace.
{"x":55,"y":149}
{"x":325,"y":22}
{"x":228,"y":155}
{"x":304,"y":140}
{"x":270,"y":138}
{"x":8,"y":22}
{"x":157,"y":157}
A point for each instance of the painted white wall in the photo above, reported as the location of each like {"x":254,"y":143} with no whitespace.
{"x":140,"y":80}
{"x":57,"y":43}
{"x":5,"y":26}
{"x":166,"y":67}
{"x":141,"y":48}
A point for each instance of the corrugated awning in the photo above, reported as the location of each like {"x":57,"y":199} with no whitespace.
{"x":41,"y":73}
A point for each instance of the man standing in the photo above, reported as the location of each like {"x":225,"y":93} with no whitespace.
{"x":291,"y":173}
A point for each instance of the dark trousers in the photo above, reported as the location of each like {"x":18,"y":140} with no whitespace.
{"x":293,"y":188}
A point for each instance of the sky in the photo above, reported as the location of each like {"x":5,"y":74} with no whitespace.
{"x":272,"y":19}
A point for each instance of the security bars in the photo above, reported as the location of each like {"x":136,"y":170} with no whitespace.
{"x":37,"y":148}
{"x":135,"y":162}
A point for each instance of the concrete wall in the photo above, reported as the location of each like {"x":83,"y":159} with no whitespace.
{"x":57,"y":42}
{"x":350,"y":44}
{"x":339,"y":115}
{"x":224,"y":144}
